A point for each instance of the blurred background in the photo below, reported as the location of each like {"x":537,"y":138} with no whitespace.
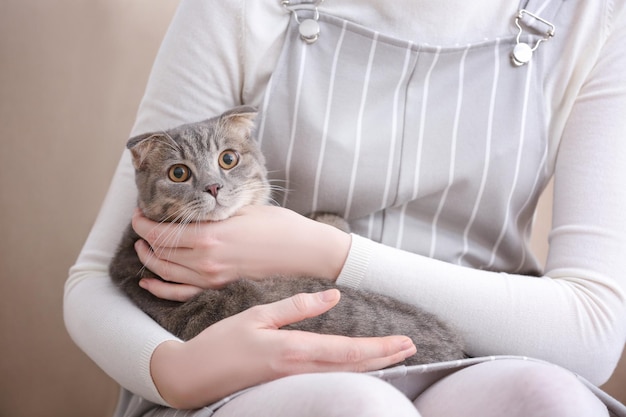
{"x":72,"y":73}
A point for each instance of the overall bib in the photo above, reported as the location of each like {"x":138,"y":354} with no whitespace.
{"x":415,"y":150}
{"x":395,"y":137}
{"x":412,"y":148}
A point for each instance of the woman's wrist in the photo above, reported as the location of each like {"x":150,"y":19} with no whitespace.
{"x":215,"y":363}
{"x":165,"y":371}
{"x":180,"y":372}
{"x":331,"y":250}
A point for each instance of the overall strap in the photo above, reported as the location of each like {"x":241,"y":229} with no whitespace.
{"x":306,"y":15}
{"x":534,"y":19}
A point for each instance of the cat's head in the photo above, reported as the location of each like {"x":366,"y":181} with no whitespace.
{"x":200,"y":171}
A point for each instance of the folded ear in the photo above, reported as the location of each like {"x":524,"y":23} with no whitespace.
{"x":240,"y":120}
{"x":141,"y":146}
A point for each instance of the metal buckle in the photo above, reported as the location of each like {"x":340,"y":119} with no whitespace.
{"x":308,"y":27}
{"x":523,"y":52}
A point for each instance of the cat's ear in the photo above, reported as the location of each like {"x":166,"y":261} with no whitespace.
{"x":240,"y":120}
{"x":141,"y":146}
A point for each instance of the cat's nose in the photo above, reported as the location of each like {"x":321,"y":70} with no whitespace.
{"x":213,"y":189}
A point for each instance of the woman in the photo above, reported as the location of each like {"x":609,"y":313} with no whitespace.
{"x":433,"y":127}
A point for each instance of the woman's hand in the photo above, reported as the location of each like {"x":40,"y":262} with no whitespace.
{"x":248,"y":349}
{"x":257,"y":242}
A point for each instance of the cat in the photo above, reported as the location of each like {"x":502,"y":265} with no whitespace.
{"x":207,"y":171}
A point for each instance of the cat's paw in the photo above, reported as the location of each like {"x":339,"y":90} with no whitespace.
{"x":330,"y":219}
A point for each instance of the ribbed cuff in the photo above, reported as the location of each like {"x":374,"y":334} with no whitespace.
{"x":357,"y":262}
{"x":151,"y":392}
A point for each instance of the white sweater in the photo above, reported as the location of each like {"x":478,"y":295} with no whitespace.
{"x":218,"y":54}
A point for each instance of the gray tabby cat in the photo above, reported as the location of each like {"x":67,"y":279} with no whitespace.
{"x":209,"y":170}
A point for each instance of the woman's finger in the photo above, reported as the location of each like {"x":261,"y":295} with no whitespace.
{"x":164,"y":235}
{"x":310,"y":352}
{"x":294,"y":309}
{"x":353,"y":354}
{"x":176,"y":255}
{"x":169,"y":291}
{"x":167,"y":270}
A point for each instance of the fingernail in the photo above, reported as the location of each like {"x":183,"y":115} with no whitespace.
{"x":407,"y":344}
{"x":329,"y":296}
{"x":142,"y":283}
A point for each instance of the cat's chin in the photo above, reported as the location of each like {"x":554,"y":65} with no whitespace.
{"x":215,"y":218}
{"x":218,"y":213}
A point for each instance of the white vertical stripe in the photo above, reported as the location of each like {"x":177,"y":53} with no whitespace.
{"x":266,"y":100}
{"x":418,"y":161}
{"x":394,"y":125}
{"x":420,"y":142}
{"x":489,"y":137}
{"x":455,"y":136}
{"x":294,"y":123}
{"x":329,"y":100}
{"x":370,"y":226}
{"x":542,"y":8}
{"x":526,"y":204}
{"x":359,"y":133}
{"x":517,"y":166}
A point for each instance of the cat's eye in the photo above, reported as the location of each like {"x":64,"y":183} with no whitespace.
{"x":228,"y":159}
{"x":179,"y":173}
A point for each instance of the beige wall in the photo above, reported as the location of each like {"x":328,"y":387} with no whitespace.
{"x":71,"y":76}
{"x":72,"y":73}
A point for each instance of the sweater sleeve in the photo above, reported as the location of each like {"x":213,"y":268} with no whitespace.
{"x":197,"y":74}
{"x":574,"y":315}
{"x":101,"y":320}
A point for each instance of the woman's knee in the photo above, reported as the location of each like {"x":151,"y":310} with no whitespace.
{"x":331,"y":395}
{"x":363,"y":395}
{"x":513,"y":387}
{"x":554,"y":391}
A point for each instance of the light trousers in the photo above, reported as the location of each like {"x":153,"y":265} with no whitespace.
{"x":499,"y":388}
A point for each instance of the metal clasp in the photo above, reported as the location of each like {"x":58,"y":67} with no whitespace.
{"x":523,"y":52}
{"x":309,"y":27}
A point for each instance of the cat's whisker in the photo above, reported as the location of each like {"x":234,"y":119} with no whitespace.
{"x":273,"y":202}
{"x":279,"y":188}
{"x":171,"y":234}
{"x":179,"y":222}
{"x":272,"y":171}
{"x":165,"y":238}
{"x":253,"y":188}
{"x":276,"y":182}
{"x":172,"y":144}
{"x":164,"y":235}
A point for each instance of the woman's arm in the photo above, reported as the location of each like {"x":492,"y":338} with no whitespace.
{"x":197,"y":74}
{"x":103,"y":322}
{"x":575,"y":315}
{"x":248,"y":349}
{"x":100,"y":319}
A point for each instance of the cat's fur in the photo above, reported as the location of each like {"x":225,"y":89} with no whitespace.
{"x":214,"y":193}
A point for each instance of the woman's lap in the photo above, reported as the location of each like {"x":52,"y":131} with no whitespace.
{"x":511,"y":387}
{"x":329,"y":395}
